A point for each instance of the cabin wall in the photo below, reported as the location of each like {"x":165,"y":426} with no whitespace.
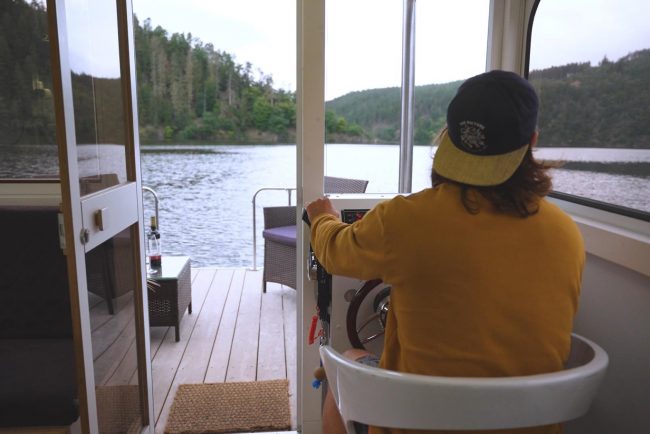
{"x":614,"y":312}
{"x":30,"y":193}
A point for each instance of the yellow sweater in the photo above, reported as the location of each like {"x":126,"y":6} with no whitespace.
{"x":484,"y":295}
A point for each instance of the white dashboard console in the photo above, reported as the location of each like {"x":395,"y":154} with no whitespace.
{"x":335,"y":293}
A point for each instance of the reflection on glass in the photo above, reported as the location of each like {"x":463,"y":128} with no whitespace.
{"x":593,"y":77}
{"x":27,"y":125}
{"x":111,"y":276}
{"x":97,"y":92}
{"x":93,"y":53}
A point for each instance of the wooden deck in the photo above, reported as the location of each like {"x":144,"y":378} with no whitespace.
{"x":235,"y":333}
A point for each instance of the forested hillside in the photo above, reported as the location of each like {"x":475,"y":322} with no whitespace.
{"x":607,"y":105}
{"x":190,"y":90}
{"x":26,"y":110}
{"x":596,"y":106}
{"x":378,"y":111}
{"x":187,"y":89}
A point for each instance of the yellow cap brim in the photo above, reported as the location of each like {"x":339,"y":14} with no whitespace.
{"x":480,"y":170}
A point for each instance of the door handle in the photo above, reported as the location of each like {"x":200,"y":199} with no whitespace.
{"x":101,"y":218}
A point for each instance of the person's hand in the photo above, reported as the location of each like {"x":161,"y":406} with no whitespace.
{"x":320,"y":206}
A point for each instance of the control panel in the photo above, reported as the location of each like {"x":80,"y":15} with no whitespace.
{"x":335,"y":292}
{"x":352,"y":215}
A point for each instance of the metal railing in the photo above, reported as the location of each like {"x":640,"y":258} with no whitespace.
{"x":155,"y":198}
{"x":288,"y":190}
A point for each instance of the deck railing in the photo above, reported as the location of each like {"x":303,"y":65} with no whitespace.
{"x":155,"y":199}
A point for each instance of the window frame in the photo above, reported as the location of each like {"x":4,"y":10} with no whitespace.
{"x":585,"y":201}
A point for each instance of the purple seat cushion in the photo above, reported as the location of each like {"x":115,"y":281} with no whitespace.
{"x":283,"y":234}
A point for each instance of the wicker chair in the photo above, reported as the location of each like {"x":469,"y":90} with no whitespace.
{"x":344,"y":185}
{"x":280,"y":234}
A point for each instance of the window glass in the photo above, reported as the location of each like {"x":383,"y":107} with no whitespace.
{"x":593,"y":78}
{"x":216,"y":108}
{"x":27,"y":127}
{"x":91,"y":29}
{"x":444,"y":58}
{"x":363,"y":64}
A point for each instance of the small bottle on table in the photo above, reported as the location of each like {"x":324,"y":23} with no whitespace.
{"x":154,"y":253}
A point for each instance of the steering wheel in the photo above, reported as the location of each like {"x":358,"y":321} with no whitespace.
{"x":380,"y":309}
{"x":380,"y":312}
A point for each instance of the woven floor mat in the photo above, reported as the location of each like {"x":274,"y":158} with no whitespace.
{"x":230,"y":407}
{"x":118,"y":409}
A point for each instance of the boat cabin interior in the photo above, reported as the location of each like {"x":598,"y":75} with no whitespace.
{"x":83,"y":351}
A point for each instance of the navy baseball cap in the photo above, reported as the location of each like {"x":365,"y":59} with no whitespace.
{"x":490,"y":122}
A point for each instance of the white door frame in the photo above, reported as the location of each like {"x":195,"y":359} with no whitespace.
{"x":121,"y":205}
{"x":310,"y":154}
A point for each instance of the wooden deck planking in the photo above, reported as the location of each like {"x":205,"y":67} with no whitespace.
{"x":170,"y":353}
{"x":107,"y":332}
{"x":193,"y":366}
{"x":98,"y":311}
{"x":126,"y":368}
{"x":158,"y":334}
{"x":235,"y":333}
{"x":220,"y":357}
{"x":192,"y":369}
{"x":290,"y":347}
{"x":271,"y":358}
{"x":112,"y":342}
{"x":243,"y":355}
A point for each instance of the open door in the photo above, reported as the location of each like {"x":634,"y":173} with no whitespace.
{"x":94,"y":86}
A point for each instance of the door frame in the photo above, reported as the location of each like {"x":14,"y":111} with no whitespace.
{"x":310,"y":164}
{"x":72,"y":209}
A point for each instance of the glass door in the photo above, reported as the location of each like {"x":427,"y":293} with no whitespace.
{"x":92,"y":52}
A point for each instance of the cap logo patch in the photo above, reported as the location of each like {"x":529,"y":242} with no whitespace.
{"x":472,"y":136}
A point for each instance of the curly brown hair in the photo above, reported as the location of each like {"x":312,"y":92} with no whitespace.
{"x":519,"y":195}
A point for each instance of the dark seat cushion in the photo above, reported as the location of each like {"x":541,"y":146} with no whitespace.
{"x":37,"y":372}
{"x":33,"y":275}
{"x":37,"y":382}
{"x":283,"y":234}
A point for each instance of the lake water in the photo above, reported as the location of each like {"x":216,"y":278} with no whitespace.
{"x":206,"y":191}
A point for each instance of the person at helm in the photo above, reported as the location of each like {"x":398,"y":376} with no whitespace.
{"x":485,"y":271}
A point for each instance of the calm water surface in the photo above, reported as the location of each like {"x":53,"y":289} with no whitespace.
{"x":206,"y":191}
{"x":206,"y":197}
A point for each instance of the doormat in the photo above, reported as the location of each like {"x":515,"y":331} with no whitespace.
{"x":213,"y":408}
{"x":118,"y":409}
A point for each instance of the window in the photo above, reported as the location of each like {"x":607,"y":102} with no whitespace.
{"x":27,"y":127}
{"x":216,"y":107}
{"x":363,"y":65}
{"x":590,"y":64}
{"x":444,"y":58}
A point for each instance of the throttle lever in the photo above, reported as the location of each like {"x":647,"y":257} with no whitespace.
{"x":324,"y":282}
{"x":312,"y":265}
{"x":305,"y":217}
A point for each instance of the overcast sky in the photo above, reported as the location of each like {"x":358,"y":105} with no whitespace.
{"x":363,"y":48}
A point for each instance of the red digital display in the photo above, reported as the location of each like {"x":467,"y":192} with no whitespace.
{"x":352,"y":215}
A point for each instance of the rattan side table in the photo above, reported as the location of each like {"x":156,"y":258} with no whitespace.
{"x":167,"y":303}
